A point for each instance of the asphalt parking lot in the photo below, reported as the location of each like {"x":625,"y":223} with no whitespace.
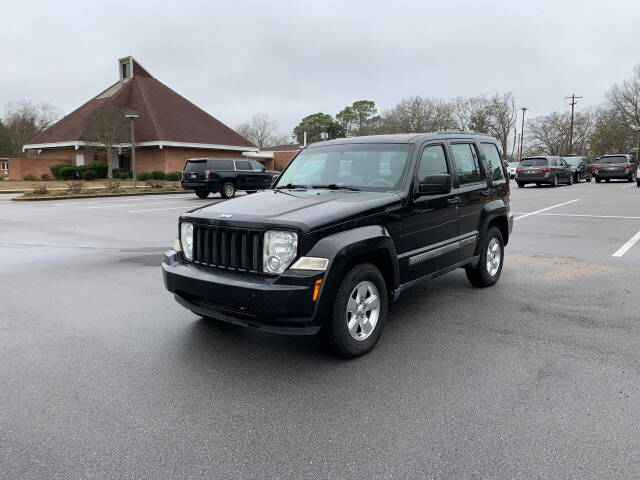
{"x":104,"y":375}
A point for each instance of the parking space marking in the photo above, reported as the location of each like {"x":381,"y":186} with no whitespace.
{"x":625,"y":248}
{"x":577,"y":215}
{"x":184,"y":207}
{"x":545,"y":209}
{"x":627,"y":186}
{"x":134,"y":204}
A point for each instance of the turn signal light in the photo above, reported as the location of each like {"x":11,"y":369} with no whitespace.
{"x":316,"y":289}
{"x":626,"y":167}
{"x":518,"y":170}
{"x":545,"y":170}
{"x":597,"y":167}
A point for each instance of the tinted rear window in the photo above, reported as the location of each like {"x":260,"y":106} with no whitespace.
{"x":613,"y":160}
{"x":220,"y":164}
{"x":195,"y":165}
{"x":534,"y":162}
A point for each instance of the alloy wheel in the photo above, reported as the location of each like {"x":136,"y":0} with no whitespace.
{"x":363,"y":310}
{"x":494,"y":255}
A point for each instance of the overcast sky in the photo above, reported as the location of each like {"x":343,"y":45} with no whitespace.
{"x":291,"y":59}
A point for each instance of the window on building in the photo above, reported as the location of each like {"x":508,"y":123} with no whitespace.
{"x":494,"y":164}
{"x":126,"y":69}
{"x":4,"y":165}
{"x":467,"y":164}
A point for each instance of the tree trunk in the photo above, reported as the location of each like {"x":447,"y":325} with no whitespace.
{"x":109,"y":162}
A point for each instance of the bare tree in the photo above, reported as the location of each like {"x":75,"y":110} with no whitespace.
{"x":611,"y":133}
{"x":24,"y":119}
{"x":262,"y":131}
{"x":626,"y":98}
{"x":470,"y":114}
{"x":417,"y":114}
{"x":108,"y":127}
{"x":549,"y":134}
{"x":502,"y":116}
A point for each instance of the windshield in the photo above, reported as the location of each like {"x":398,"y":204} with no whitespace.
{"x":534,"y":162}
{"x":372,"y":167}
{"x":613,"y":160}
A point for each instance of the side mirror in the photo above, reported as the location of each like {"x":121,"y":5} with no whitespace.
{"x":435,"y":185}
{"x":264,"y":169}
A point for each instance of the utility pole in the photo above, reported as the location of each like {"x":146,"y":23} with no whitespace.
{"x":573,"y":102}
{"x":524,"y":109}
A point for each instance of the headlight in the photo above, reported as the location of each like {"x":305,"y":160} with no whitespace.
{"x":186,"y":239}
{"x":280,"y":248}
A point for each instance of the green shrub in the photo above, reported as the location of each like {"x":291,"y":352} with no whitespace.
{"x":144,"y":176}
{"x":119,"y":173}
{"x":41,"y":190}
{"x":69,"y":172}
{"x":155,"y":183}
{"x":129,"y":174}
{"x":45,"y":176}
{"x":29,"y":177}
{"x":157,"y":175}
{"x":1,"y":179}
{"x":55,"y":170}
{"x":173,"y":176}
{"x":99,"y":167}
{"x":89,"y":175}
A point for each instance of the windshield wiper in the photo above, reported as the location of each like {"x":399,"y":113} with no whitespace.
{"x":291,"y":185}
{"x":335,"y":186}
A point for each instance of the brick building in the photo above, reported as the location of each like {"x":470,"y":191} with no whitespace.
{"x":282,"y":155}
{"x":170,"y":128}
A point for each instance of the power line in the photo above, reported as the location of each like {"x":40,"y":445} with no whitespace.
{"x":573,"y":103}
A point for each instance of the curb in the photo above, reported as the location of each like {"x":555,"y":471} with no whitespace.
{"x":99,"y":195}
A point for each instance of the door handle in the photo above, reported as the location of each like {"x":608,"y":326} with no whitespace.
{"x":453,"y":200}
{"x":485,"y":193}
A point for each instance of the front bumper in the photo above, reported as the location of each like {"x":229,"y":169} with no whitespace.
{"x":282,"y":304}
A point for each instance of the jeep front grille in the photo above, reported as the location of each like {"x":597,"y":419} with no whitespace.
{"x":229,"y":248}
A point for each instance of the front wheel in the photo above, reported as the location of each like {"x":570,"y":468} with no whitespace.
{"x":202,"y":193}
{"x":570,"y":179}
{"x":359,"y":312}
{"x":228,"y":190}
{"x":489,"y":267}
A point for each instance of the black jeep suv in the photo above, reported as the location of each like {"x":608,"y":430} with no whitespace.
{"x":225,"y":175}
{"x":350,"y":224}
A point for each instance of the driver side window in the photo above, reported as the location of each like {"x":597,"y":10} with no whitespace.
{"x":432,"y":162}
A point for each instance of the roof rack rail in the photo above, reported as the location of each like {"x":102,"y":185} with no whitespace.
{"x":458,"y":132}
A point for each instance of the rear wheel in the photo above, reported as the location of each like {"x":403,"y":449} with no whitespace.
{"x":202,"y":193}
{"x":228,"y":190}
{"x":489,"y":267}
{"x":554,"y":181}
{"x":598,"y":180}
{"x":570,"y":179}
{"x":359,"y":312}
{"x":520,"y":184}
{"x":607,"y":180}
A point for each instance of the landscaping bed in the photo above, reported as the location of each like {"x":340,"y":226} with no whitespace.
{"x":79,"y":189}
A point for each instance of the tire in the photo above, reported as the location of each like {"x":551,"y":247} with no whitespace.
{"x":520,"y":184}
{"x":228,"y":190}
{"x":481,"y":275}
{"x":638,"y":182}
{"x":607,"y":180}
{"x":202,"y":193}
{"x":598,"y":180}
{"x":570,"y":180}
{"x":362,"y":278}
{"x":630,"y":179}
{"x":554,"y":182}
{"x":576,"y":178}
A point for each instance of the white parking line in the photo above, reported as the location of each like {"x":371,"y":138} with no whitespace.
{"x":627,"y":186}
{"x":576,"y":215}
{"x":545,"y":209}
{"x":625,"y":248}
{"x":134,"y":204}
{"x":184,"y":207}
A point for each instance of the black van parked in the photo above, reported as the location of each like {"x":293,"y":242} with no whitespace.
{"x":349,"y":225}
{"x":225,"y":175}
{"x":548,"y":170}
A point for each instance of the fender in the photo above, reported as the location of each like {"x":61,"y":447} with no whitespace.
{"x":343,"y":247}
{"x":491,"y":210}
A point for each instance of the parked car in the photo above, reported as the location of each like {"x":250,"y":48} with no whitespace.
{"x":225,"y":176}
{"x":580,"y":167}
{"x":541,"y":170}
{"x":512,"y":169}
{"x":620,"y":166}
{"x":350,"y":224}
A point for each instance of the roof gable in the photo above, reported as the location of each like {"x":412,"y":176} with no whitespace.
{"x":164,"y":115}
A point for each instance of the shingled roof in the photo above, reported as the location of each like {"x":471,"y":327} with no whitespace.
{"x":165,"y":117}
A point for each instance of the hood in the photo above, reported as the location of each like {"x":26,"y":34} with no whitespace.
{"x":306,"y":210}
